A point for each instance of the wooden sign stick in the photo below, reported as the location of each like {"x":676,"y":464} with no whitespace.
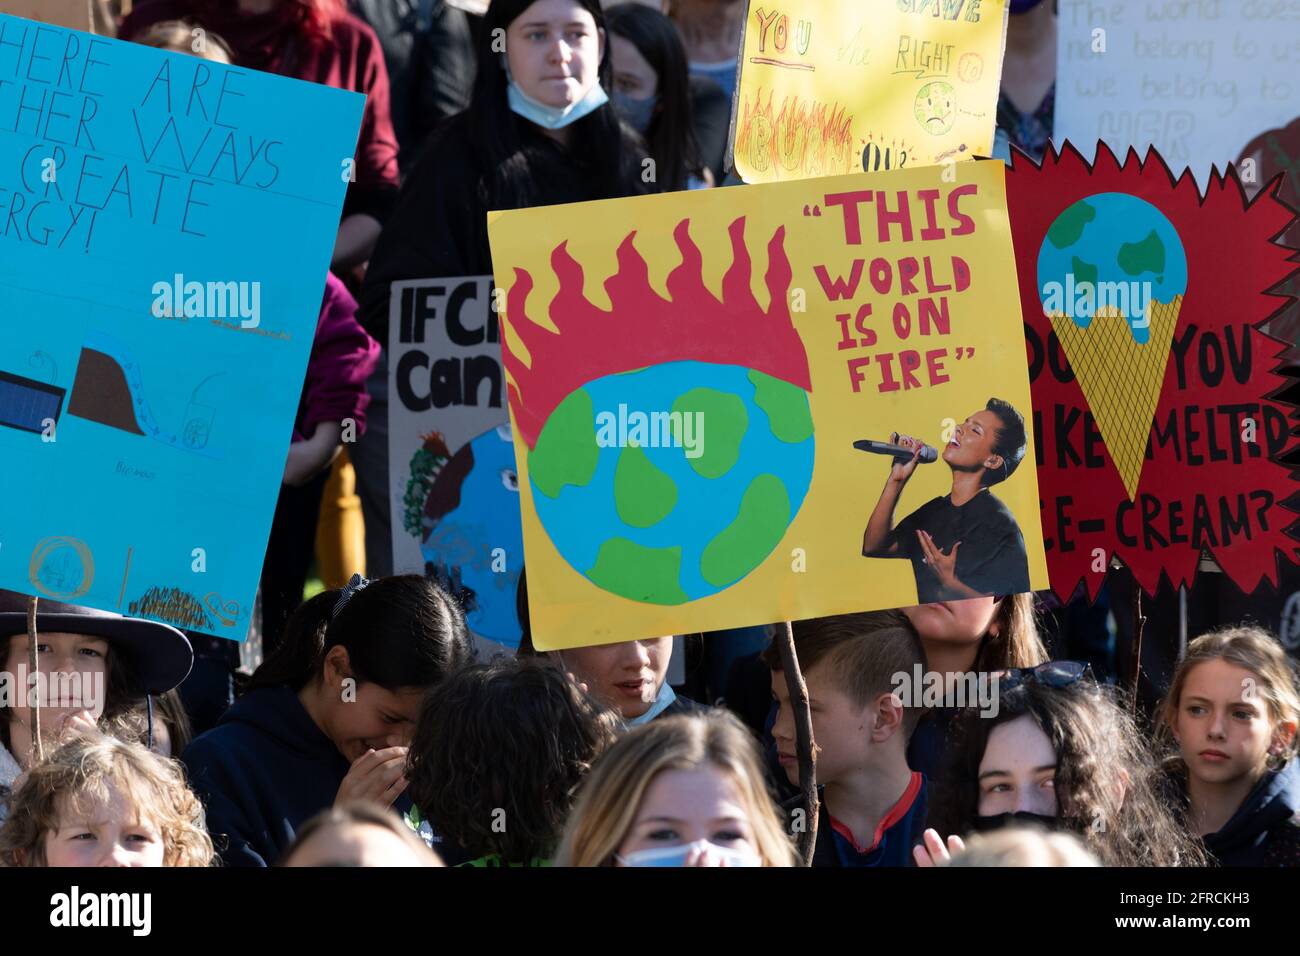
{"x":803,"y":735}
{"x":1139,"y":622}
{"x":33,"y":667}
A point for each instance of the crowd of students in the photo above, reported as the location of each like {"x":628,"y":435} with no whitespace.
{"x":371,"y":734}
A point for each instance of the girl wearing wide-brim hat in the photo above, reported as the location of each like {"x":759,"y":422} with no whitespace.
{"x":120,"y":663}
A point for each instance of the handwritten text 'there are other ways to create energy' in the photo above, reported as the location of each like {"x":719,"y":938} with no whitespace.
{"x":57,"y":90}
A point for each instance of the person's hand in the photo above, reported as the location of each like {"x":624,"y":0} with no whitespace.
{"x":703,"y":856}
{"x":306,"y":460}
{"x":377,"y":775}
{"x":943,"y":566}
{"x":580,"y":685}
{"x":76,"y":722}
{"x":932,"y":852}
{"x":309,"y":458}
{"x":59,"y":728}
{"x":900,"y":471}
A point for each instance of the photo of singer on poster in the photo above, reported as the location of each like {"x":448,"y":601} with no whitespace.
{"x":966,"y":543}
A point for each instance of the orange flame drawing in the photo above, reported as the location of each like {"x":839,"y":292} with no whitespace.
{"x":804,"y":138}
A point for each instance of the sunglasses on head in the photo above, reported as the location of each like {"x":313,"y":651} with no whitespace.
{"x":1049,"y":674}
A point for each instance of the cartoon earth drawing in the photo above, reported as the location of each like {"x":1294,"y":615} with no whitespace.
{"x":472,"y":538}
{"x":936,"y":107}
{"x":666,"y":522}
{"x":1115,"y":239}
{"x":1111,"y":276}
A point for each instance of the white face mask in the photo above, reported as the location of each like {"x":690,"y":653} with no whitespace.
{"x":676,"y":855}
{"x":551,"y":117}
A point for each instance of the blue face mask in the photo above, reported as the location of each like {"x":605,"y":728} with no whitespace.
{"x":551,"y":117}
{"x":663,"y":700}
{"x":676,"y":855}
{"x":637,"y":112}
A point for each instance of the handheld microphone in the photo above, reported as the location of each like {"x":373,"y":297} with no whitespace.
{"x":897,"y":452}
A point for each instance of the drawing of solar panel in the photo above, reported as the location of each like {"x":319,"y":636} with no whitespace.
{"x":26,"y":404}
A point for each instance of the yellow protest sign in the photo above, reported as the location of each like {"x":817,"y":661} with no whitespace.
{"x":828,"y":87}
{"x":704,"y":389}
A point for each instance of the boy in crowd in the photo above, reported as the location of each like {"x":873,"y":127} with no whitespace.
{"x":872,"y":804}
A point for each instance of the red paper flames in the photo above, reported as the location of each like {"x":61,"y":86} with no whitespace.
{"x":1233,"y":263}
{"x":642,"y":328}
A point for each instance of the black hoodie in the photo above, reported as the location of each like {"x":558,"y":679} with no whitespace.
{"x":440,"y":225}
{"x":264,"y":770}
{"x":1265,"y":830}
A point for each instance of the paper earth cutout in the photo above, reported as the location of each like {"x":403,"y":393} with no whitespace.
{"x":647,"y":495}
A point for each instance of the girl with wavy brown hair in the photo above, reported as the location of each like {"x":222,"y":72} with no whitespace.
{"x":1062,"y":753}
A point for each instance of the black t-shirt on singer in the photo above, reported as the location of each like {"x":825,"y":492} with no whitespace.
{"x":991,"y":558}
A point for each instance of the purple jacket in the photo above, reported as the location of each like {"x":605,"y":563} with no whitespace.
{"x":342,"y":358}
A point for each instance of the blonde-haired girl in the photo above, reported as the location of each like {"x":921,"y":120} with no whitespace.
{"x":1232,"y":712}
{"x":97,"y":801}
{"x":679,"y":791}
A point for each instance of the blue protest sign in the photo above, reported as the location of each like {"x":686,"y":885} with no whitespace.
{"x":166,"y":226}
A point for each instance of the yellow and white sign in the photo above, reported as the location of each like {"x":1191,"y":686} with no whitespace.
{"x":828,"y":87}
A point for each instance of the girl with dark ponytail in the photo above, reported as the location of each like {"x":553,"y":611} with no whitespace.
{"x":328,"y":717}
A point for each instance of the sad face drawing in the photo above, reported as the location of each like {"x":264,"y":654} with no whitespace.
{"x":936,"y":107}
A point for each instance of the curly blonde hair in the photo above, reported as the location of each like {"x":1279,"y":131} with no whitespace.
{"x":87,"y":770}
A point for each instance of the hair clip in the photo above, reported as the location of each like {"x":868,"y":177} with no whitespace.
{"x":355,"y":583}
